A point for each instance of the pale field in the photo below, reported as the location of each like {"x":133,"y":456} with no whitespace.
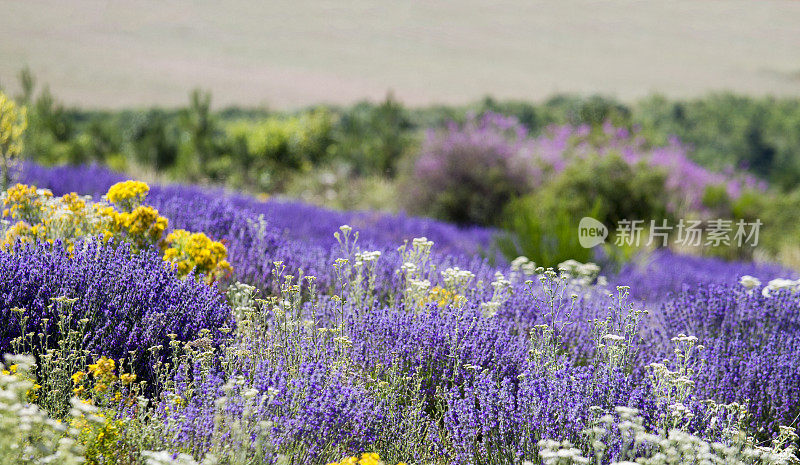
{"x":290,"y":53}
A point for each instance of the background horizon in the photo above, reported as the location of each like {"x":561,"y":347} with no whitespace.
{"x":288,"y":55}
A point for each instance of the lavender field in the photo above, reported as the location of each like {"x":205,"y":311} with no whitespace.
{"x":399,"y":233}
{"x":324,"y":341}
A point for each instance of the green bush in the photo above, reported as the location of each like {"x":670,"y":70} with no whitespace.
{"x":620,"y":190}
{"x":277,"y":143}
{"x":294,"y":142}
{"x":761,"y":135}
{"x":545,"y":236}
{"x":543,"y":226}
{"x":372,"y":139}
{"x":152,"y":140}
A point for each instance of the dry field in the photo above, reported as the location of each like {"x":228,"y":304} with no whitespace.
{"x":289,"y":53}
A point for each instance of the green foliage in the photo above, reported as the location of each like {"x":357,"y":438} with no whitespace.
{"x":152,"y":141}
{"x":256,"y":149}
{"x":373,"y":139}
{"x":547,"y":240}
{"x":277,"y":143}
{"x":759,"y":134}
{"x":716,"y":199}
{"x":619,"y":190}
{"x":28,"y":83}
{"x":340,"y":188}
{"x":780,"y":215}
{"x":544,"y":225}
{"x":470,"y":196}
{"x":13,"y":122}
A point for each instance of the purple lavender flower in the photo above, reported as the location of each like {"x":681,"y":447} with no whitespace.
{"x":132,"y":301}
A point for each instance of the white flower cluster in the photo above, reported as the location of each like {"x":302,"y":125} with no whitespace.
{"x":665,"y":447}
{"x":419,"y":287}
{"x":367,"y":257}
{"x":581,"y":274}
{"x":559,"y":452}
{"x":751,"y":283}
{"x":422,"y":245}
{"x":522,"y":267}
{"x":417,"y":271}
{"x":27,"y":434}
{"x":502,"y":292}
{"x":457,"y":280}
{"x":167,"y":458}
{"x":778,"y":284}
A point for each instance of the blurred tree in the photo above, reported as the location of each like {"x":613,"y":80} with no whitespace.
{"x":198,"y":125}
{"x":13,"y":122}
{"x":28,"y":83}
{"x":372,"y":139}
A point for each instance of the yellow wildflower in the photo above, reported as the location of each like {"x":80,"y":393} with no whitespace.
{"x":73,"y":202}
{"x":196,"y":251}
{"x":102,"y":367}
{"x":78,"y":376}
{"x":128,"y":194}
{"x":367,"y":458}
{"x":444,"y":297}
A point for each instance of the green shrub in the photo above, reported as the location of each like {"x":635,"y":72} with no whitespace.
{"x":761,"y":135}
{"x":543,"y":226}
{"x":620,"y":190}
{"x":372,"y":139}
{"x":153,"y":140}
{"x":546,"y":237}
{"x":279,"y":143}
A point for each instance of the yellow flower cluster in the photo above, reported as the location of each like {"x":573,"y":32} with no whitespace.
{"x":123,"y":217}
{"x":103,"y":377}
{"x":11,"y":370}
{"x":444,"y":297}
{"x":103,"y":372}
{"x":128,"y":194}
{"x":142,"y":227}
{"x":41,"y":217}
{"x":22,"y":202}
{"x":44,"y":218}
{"x":195,"y":252}
{"x":19,"y":232}
{"x":73,"y":202}
{"x":140,"y":224}
{"x":369,"y":458}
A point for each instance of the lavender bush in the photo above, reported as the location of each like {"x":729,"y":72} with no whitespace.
{"x":123,"y":305}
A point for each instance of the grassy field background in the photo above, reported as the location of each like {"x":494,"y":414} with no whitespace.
{"x":289,"y":53}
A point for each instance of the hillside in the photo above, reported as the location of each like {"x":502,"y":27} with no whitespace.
{"x":287,"y":53}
